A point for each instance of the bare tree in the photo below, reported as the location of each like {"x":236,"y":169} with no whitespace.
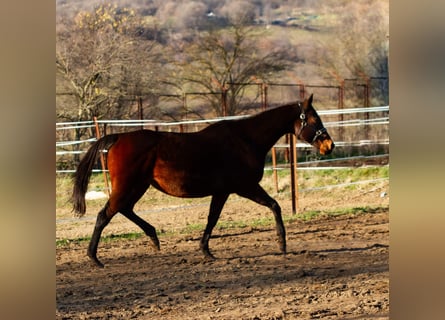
{"x":361,"y":45}
{"x":99,"y":58}
{"x":226,"y":61}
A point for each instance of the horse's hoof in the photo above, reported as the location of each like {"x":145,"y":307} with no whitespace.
{"x":155,"y":242}
{"x":282,"y":246}
{"x":209,"y":257}
{"x":156,"y":246}
{"x":96,"y":262}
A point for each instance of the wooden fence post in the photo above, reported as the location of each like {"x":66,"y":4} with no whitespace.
{"x":102,"y":159}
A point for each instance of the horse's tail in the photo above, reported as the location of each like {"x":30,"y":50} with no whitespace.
{"x":84,"y":169}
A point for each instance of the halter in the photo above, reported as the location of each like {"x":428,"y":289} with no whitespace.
{"x":317,"y":134}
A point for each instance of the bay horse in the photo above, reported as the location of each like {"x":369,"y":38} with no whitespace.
{"x":224,"y":158}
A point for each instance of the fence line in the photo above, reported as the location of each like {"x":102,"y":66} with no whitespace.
{"x":87,"y":124}
{"x":284,"y":166}
{"x":299,"y":145}
{"x":129,"y":123}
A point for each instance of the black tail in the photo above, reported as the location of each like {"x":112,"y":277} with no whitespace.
{"x":84,"y":169}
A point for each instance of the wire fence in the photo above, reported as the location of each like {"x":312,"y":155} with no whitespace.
{"x":68,"y":152}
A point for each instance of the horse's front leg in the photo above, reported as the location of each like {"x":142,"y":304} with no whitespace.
{"x":216,"y":206}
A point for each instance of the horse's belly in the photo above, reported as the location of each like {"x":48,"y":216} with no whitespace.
{"x":181,"y":183}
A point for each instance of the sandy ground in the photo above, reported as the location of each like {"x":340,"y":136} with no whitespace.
{"x":336,"y":267}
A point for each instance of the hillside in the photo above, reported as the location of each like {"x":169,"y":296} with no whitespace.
{"x":185,"y":46}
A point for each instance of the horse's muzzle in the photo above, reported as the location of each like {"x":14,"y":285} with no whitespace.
{"x":326,"y":147}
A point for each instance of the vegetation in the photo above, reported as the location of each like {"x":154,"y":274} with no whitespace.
{"x":308,"y":181}
{"x":224,"y":225}
{"x":108,"y":55}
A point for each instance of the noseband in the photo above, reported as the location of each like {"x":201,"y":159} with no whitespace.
{"x":304,"y":124}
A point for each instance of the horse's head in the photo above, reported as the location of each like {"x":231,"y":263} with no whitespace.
{"x":309,"y":128}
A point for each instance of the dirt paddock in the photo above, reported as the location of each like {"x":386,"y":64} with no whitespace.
{"x":336,"y":268}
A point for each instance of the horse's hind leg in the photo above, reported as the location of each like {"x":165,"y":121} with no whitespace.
{"x":103,"y":218}
{"x":258,"y":195}
{"x":144,"y":225}
{"x":216,"y":206}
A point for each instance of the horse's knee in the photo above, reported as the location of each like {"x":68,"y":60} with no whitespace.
{"x":275,"y":207}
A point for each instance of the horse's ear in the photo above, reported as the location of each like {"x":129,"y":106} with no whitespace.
{"x":307,"y":102}
{"x":310,"y":99}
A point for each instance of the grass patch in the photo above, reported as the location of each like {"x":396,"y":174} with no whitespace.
{"x":227,"y":225}
{"x":306,"y":179}
{"x":108,"y":238}
{"x":320,"y":178}
{"x":313,"y":214}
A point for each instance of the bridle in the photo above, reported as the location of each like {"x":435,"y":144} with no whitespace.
{"x":304,"y":124}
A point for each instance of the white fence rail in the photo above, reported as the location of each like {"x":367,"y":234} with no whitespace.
{"x":382,"y":120}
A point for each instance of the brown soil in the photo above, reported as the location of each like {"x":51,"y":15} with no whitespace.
{"x":336,"y":267}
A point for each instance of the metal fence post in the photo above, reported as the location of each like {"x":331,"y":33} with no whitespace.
{"x":293,"y":170}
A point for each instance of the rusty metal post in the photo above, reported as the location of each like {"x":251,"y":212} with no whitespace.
{"x":294,"y":149}
{"x":140,"y":111}
{"x":274,"y":168}
{"x":365,"y":99}
{"x":264,"y":89}
{"x":366,"y":88}
{"x":224,"y":101}
{"x":102,"y":159}
{"x":286,"y":150}
{"x":184,"y":103}
{"x":341,"y":97}
{"x":302,"y":91}
{"x":293,"y":171}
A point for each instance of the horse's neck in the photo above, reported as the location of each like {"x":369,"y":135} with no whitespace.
{"x":267,"y":127}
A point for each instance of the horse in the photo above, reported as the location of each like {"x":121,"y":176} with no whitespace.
{"x":226,"y":157}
